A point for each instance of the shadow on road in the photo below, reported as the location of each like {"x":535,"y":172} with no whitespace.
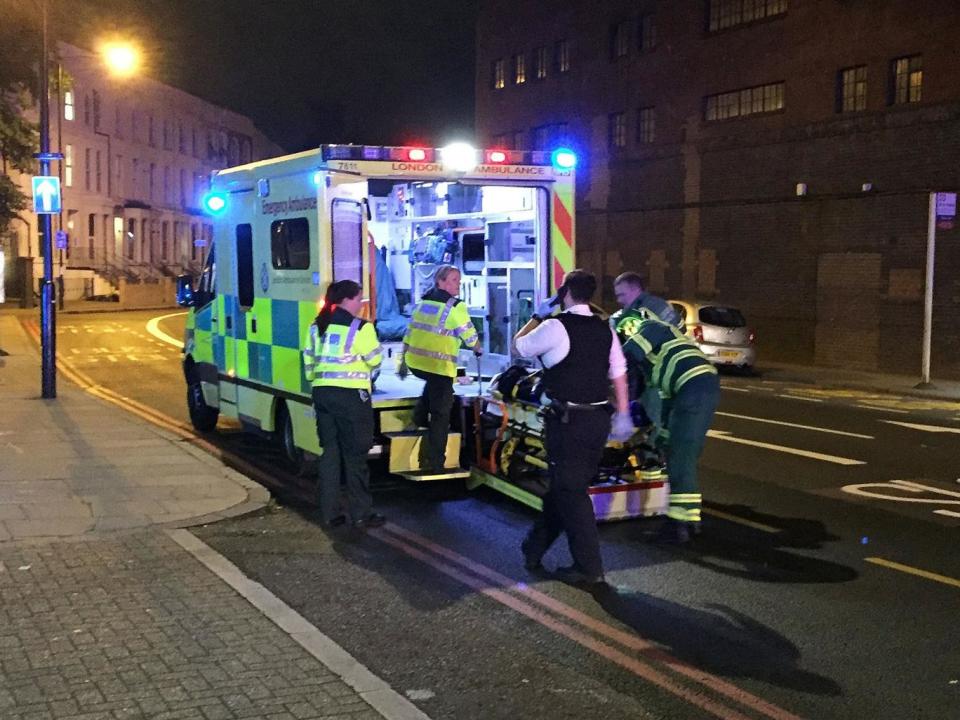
{"x":717,"y":639}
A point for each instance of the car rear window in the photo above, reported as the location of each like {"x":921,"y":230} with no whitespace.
{"x":722,"y":316}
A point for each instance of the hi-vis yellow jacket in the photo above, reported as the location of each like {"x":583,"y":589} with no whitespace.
{"x":345,"y":355}
{"x":440,"y":323}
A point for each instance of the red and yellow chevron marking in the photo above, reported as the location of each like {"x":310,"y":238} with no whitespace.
{"x":561,"y":233}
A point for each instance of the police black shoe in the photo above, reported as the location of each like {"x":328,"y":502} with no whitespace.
{"x":575,"y":576}
{"x":531,"y":563}
{"x":373,"y":520}
{"x":674,"y":532}
{"x":335,"y":522}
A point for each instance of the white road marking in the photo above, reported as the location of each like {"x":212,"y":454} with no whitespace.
{"x":907,"y":486}
{"x":735,"y":389}
{"x":153,"y":327}
{"x":795,"y":425}
{"x":882,"y":409}
{"x":798,"y":397}
{"x":724,"y":435}
{"x":924,"y":428}
{"x":948,"y":513}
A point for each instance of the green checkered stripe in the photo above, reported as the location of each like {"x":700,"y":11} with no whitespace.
{"x":270,"y":353}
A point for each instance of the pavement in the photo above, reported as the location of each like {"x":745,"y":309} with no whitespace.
{"x":110,"y":608}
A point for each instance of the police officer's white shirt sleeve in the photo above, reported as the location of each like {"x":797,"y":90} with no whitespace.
{"x":618,"y":361}
{"x":548,"y":339}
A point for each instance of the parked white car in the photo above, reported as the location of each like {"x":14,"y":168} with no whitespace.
{"x":720,"y":331}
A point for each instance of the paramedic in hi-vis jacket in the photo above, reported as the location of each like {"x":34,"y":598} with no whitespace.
{"x":339,"y":358}
{"x":440,"y":323}
{"x":582,"y":357}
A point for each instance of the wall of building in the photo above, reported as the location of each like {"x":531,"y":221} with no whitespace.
{"x":138,"y":158}
{"x":708,"y":208}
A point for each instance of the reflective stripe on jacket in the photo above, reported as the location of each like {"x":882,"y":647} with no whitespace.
{"x":439,"y":325}
{"x":344,"y":356}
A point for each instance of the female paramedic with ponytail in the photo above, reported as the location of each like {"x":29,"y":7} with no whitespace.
{"x":339,"y":358}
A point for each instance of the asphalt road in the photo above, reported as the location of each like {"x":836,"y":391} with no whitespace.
{"x":824,"y":585}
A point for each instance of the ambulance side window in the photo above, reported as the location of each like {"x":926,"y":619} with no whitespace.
{"x":245,"y":265}
{"x":290,"y":244}
{"x":207,"y":287}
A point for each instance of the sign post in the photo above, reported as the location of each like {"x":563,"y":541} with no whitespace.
{"x":941,"y":213}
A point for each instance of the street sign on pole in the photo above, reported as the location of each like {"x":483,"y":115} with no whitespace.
{"x":46,"y":194}
{"x":946,"y":210}
{"x":61,"y":239}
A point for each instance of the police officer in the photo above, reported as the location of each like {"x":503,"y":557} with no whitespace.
{"x":339,"y":358}
{"x":439,"y":325}
{"x":673,"y":365}
{"x":628,"y":290}
{"x":581,"y":356}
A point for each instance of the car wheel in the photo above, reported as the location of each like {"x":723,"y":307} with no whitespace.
{"x":202,"y":416}
{"x":293,"y":456}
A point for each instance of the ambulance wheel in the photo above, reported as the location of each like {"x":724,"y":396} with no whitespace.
{"x":203,"y":417}
{"x":293,"y":456}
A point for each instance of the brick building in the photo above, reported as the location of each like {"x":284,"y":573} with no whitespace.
{"x":137,"y":158}
{"x":773,"y":154}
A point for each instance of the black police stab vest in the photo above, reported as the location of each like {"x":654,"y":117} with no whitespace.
{"x":581,"y":377}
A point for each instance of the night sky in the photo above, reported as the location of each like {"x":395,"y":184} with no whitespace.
{"x":306,"y":71}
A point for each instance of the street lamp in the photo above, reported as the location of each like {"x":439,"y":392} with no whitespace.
{"x":121,"y":58}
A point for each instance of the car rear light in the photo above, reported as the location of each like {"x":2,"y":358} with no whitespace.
{"x":697,"y":333}
{"x":753,"y":337}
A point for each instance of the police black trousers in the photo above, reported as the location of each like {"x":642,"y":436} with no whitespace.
{"x":345,"y":429}
{"x":433,"y":411}
{"x":573,"y":454}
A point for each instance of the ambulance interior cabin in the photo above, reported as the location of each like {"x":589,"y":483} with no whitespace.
{"x":496,"y":235}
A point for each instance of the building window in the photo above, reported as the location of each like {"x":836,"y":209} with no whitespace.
{"x":907,"y":77}
{"x":647,"y":33}
{"x":135,"y":177}
{"x":501,"y":141}
{"x":740,"y":103}
{"x":86,"y":109}
{"x":87,"y":164}
{"x":133,"y":126}
{"x":182,"y":139}
{"x":68,"y":109}
{"x":520,"y":140}
{"x":730,"y":13}
{"x":540,"y":138}
{"x":151,"y":135}
{"x":99,"y":173}
{"x":619,"y":40}
{"x":68,"y":165}
{"x":852,"y":89}
{"x":118,"y":177}
{"x":646,"y":125}
{"x":152,"y":181}
{"x":499,"y":74}
{"x":91,"y":235}
{"x":117,"y":123}
{"x":166,"y":186}
{"x":183,"y":188}
{"x":561,"y":56}
{"x":519,"y":69}
{"x":96,"y":110}
{"x":541,"y":62}
{"x":618,"y":130}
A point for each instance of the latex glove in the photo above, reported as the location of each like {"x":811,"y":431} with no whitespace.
{"x":477,"y":350}
{"x":621,"y":428}
{"x":546,"y":308}
{"x":402,"y":370}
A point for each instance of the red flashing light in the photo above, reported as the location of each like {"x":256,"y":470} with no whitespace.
{"x":417,"y":154}
{"x":698,"y":333}
{"x":497,"y":156}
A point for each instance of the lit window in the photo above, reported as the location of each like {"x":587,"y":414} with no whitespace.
{"x":68,"y":165}
{"x":68,"y":108}
{"x":561,"y":53}
{"x":907,"y":80}
{"x":519,"y":69}
{"x":740,"y":103}
{"x":646,"y":125}
{"x":852,"y":95}
{"x":730,"y":13}
{"x":499,"y":74}
{"x":542,"y":60}
{"x":618,"y":130}
{"x":619,"y":40}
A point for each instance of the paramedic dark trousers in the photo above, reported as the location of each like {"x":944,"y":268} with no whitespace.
{"x":687,"y":417}
{"x":345,"y":429}
{"x":573,"y":453}
{"x":433,"y":411}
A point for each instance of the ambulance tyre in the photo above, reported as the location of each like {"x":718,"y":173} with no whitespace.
{"x":293,"y":456}
{"x":203,"y":417}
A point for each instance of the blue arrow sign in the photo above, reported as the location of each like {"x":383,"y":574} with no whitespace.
{"x":46,"y":195}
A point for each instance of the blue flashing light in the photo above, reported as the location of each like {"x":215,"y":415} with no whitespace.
{"x":317,"y":178}
{"x":215,"y":203}
{"x":564,"y":159}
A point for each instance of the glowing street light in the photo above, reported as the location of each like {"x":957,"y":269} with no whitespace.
{"x":122,"y":59}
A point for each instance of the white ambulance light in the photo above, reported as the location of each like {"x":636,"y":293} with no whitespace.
{"x":564,"y":159}
{"x":215,"y":203}
{"x":417,"y":154}
{"x":459,"y":157}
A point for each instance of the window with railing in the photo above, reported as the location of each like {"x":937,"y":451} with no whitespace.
{"x":541,"y":62}
{"x":519,"y":69}
{"x":499,"y":74}
{"x":646,"y":125}
{"x":561,"y":56}
{"x":617,"y":133}
{"x":724,"y":14}
{"x":619,"y":40}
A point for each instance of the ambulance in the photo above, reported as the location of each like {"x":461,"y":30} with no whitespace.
{"x":386,"y":217}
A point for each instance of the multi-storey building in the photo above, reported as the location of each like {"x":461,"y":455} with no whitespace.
{"x":773,"y":154}
{"x":137,"y":158}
